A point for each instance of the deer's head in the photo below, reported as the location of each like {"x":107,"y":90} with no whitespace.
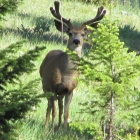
{"x":76,"y":34}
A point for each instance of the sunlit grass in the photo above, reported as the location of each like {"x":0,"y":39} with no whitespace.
{"x":32,"y":12}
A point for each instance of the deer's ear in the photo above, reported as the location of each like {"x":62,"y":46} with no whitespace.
{"x":58,"y":26}
{"x":87,"y":31}
{"x":94,"y":25}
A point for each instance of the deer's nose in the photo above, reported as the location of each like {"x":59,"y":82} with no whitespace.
{"x":76,"y":41}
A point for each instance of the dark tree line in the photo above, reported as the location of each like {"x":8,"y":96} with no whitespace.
{"x":132,"y":3}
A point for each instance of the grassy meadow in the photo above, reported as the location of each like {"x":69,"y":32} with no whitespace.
{"x":33,"y":22}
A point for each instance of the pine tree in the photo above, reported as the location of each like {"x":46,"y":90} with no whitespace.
{"x":111,"y":72}
{"x":8,"y":6}
{"x":15,"y":102}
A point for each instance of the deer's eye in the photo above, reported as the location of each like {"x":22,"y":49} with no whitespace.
{"x":83,"y":34}
{"x":70,"y":34}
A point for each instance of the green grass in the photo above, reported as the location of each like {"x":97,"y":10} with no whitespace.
{"x":35,"y":14}
{"x":33,"y":128}
{"x":33,"y":125}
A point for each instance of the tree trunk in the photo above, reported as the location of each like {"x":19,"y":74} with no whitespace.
{"x":124,"y":2}
{"x":111,"y":116}
{"x":104,"y":128}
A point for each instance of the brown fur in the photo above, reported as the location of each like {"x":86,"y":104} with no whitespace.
{"x":57,"y":73}
{"x":58,"y":76}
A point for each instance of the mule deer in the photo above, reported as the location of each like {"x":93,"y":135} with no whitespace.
{"x":56,"y":69}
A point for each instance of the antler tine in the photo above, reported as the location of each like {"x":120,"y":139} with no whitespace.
{"x":57,"y":14}
{"x":100,"y":14}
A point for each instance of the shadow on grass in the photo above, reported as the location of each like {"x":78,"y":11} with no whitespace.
{"x":131,"y":37}
{"x":35,"y":36}
{"x":41,"y":31}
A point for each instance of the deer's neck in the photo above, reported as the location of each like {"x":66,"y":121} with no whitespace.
{"x":78,"y":50}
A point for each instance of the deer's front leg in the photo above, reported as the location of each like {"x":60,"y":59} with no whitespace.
{"x":60,"y":105}
{"x":68,"y":98}
{"x":48,"y":111}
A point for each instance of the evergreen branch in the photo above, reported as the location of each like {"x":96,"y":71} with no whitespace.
{"x":10,"y":50}
{"x":8,"y":6}
{"x":23,"y":64}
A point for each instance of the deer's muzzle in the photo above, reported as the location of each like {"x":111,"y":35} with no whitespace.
{"x":76,"y":42}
